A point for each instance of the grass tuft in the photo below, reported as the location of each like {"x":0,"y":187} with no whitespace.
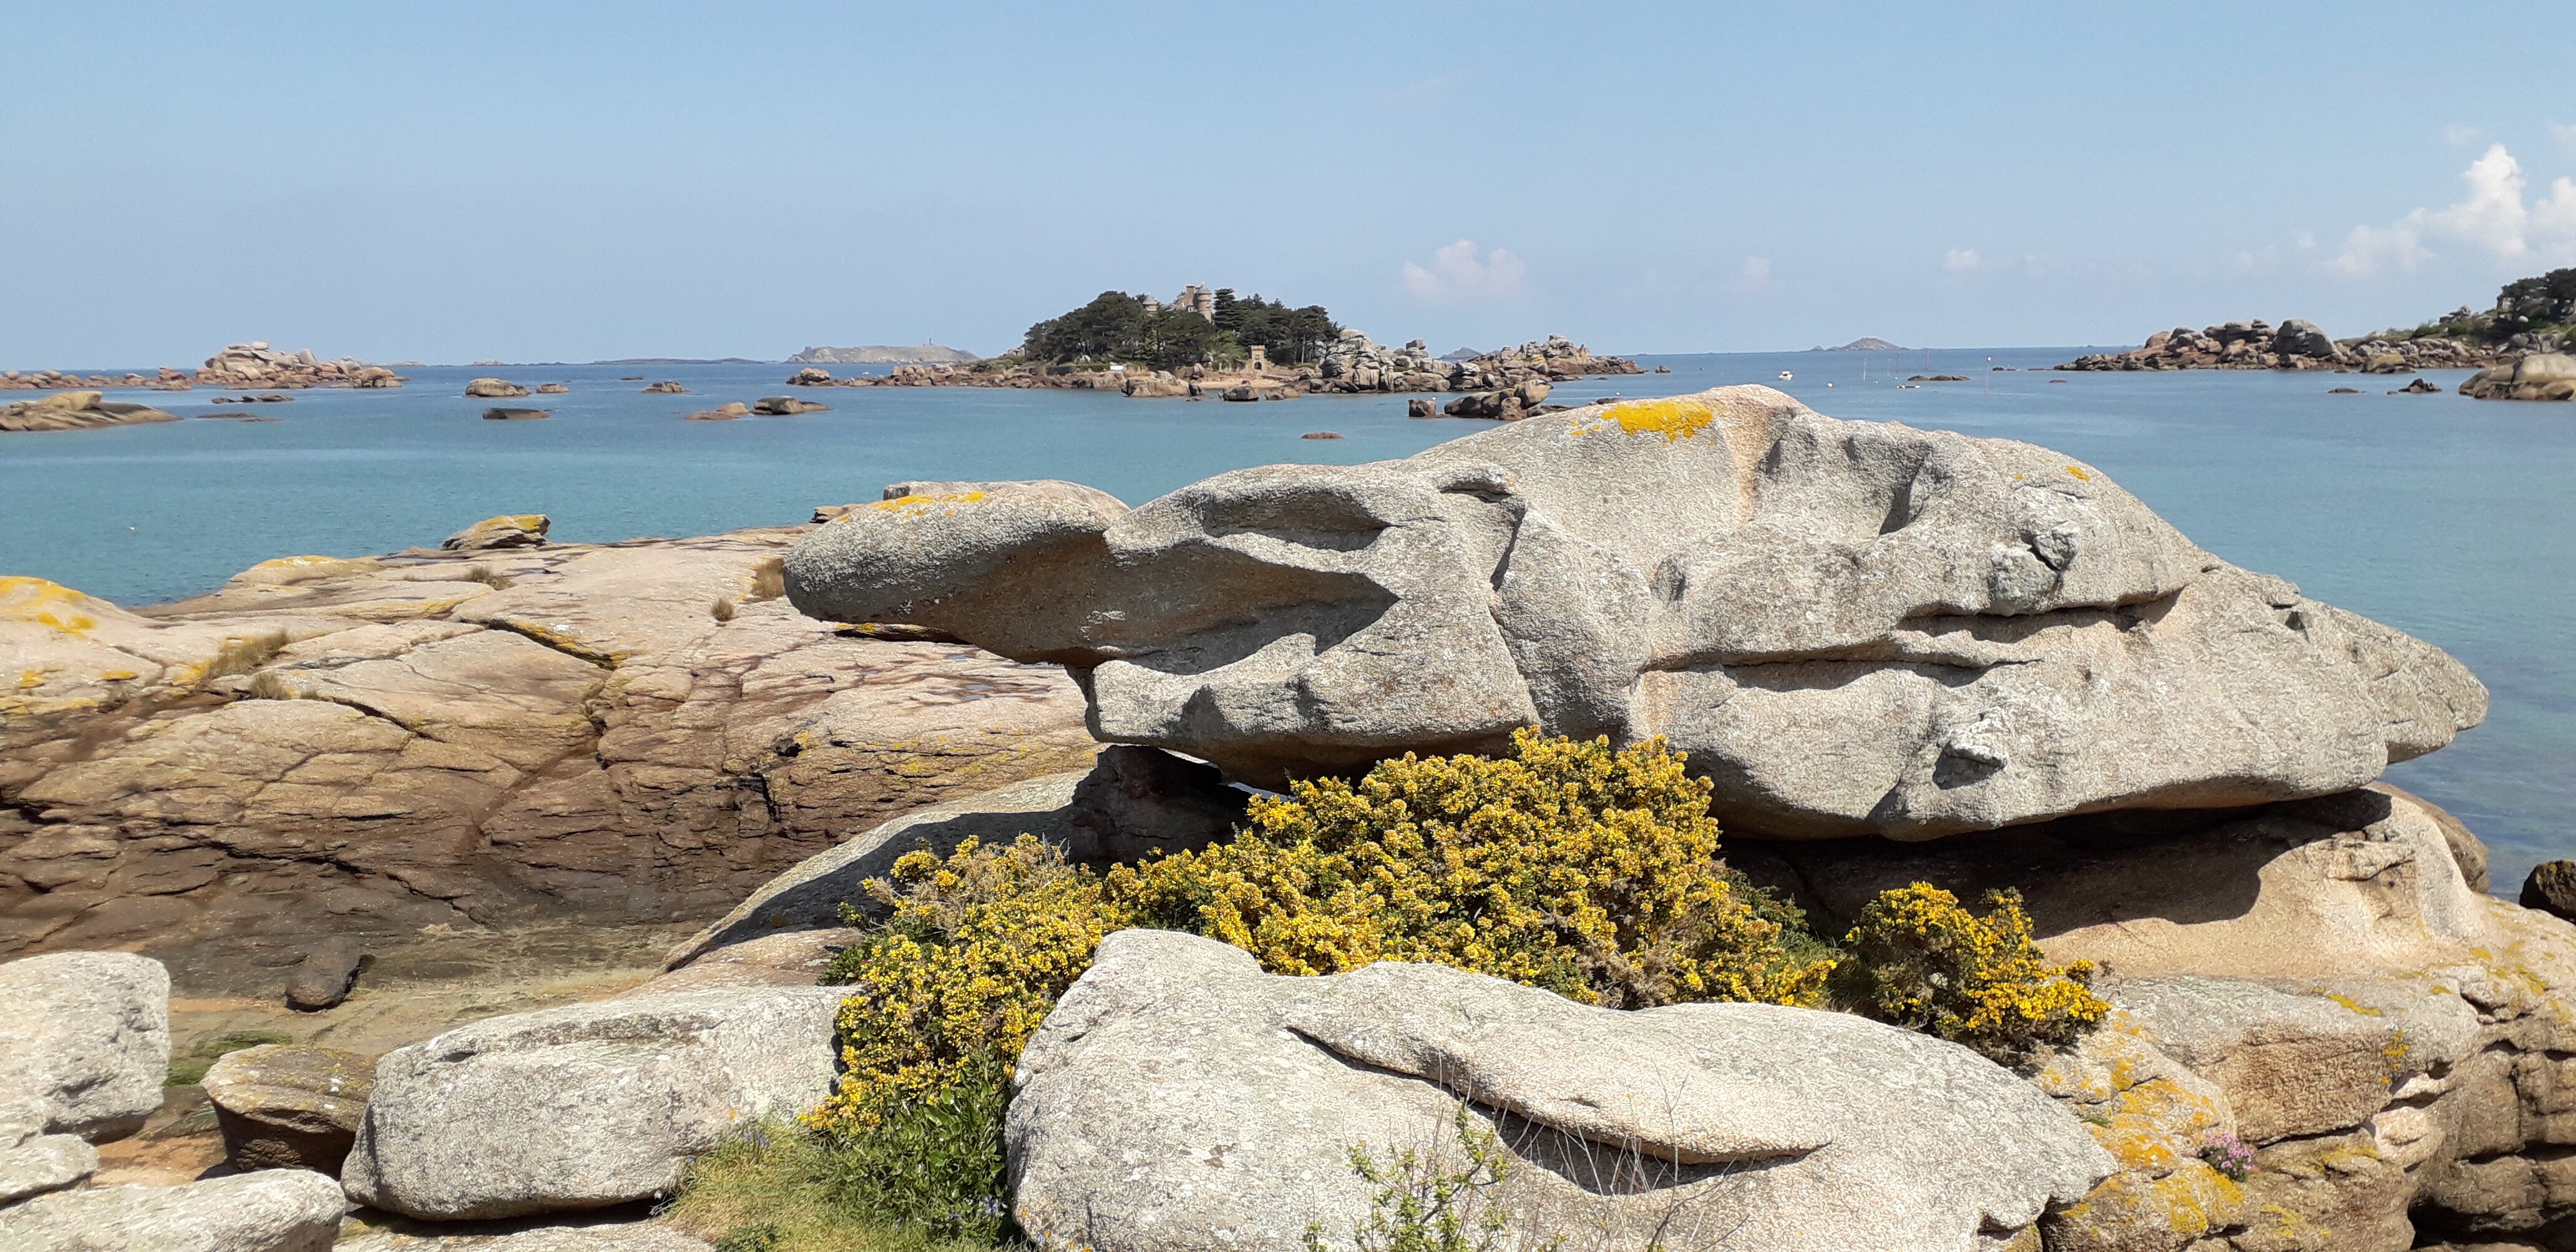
{"x":266,"y":685}
{"x":490,"y":577}
{"x":780,"y":1189}
{"x":243,"y":653}
{"x":769,"y":580}
{"x":722,"y":610}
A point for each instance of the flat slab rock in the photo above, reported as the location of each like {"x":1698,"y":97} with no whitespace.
{"x":578,"y":1236}
{"x":284,"y":1210}
{"x":1852,"y":627}
{"x":587,"y":1105}
{"x":1180,"y":1099}
{"x":289,"y":1105}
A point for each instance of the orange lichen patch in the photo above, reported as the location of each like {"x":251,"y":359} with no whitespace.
{"x":2078,"y":472}
{"x":31,"y":679}
{"x":118,"y":676}
{"x":2350,"y":1003}
{"x":2191,"y":1202}
{"x":47,"y":603}
{"x":283,"y":570}
{"x":1673,"y":419}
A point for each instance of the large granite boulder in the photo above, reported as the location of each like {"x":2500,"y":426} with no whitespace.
{"x":588,"y":1105}
{"x":285,"y":1210}
{"x":44,"y":1163}
{"x":1852,"y":627}
{"x":86,"y":1037}
{"x":2316,"y":978}
{"x":2300,"y":337}
{"x":2540,"y":376}
{"x":1180,"y":1099}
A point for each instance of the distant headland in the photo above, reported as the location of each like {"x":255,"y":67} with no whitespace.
{"x":1863,"y":344}
{"x":883,"y":354}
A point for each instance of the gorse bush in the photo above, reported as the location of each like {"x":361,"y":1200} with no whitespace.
{"x":978,"y":949}
{"x":1425,"y":1203}
{"x":1588,"y":871}
{"x":1919,"y":959}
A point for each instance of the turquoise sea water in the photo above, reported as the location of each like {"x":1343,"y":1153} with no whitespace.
{"x":2451,"y":518}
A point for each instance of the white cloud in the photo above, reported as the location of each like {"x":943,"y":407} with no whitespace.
{"x":1961,"y":260}
{"x":2492,"y":217}
{"x":1754,"y":273}
{"x":1457,"y":273}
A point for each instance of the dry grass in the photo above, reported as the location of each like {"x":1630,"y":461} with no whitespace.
{"x":266,"y":685}
{"x":722,"y":610}
{"x":489,"y":577}
{"x":243,"y":653}
{"x":769,"y":581}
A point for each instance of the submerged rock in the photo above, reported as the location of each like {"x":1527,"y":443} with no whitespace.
{"x":1178,"y":1097}
{"x":1852,"y":627}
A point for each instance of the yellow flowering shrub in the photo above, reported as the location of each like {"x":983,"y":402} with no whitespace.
{"x":1590,"y":872}
{"x":1919,"y":959}
{"x":978,"y":949}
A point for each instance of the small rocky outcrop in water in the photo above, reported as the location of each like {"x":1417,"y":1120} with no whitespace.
{"x":493,"y":389}
{"x":1985,"y":632}
{"x":510,"y":530}
{"x":256,"y":364}
{"x":77,"y":410}
{"x":2540,"y":376}
{"x":2296,"y":345}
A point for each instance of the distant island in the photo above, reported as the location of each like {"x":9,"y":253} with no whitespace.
{"x":1863,"y":344}
{"x":881,"y":354}
{"x":677,"y":360}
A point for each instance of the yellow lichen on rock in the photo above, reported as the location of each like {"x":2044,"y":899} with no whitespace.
{"x":923,"y":506}
{"x":43,"y":602}
{"x":1674,"y":419}
{"x":285,"y":570}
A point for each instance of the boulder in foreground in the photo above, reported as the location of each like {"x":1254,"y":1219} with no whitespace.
{"x":289,"y":1106}
{"x":1179,"y":1098}
{"x":86,"y":1040}
{"x":1852,"y":627}
{"x":285,"y":1210}
{"x":587,"y":1105}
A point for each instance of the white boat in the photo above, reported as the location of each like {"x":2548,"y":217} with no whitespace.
{"x":1785,"y":376}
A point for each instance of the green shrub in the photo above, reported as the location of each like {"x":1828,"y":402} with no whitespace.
{"x":1920,"y":960}
{"x":1426,"y":1203}
{"x":778,"y":1189}
{"x":934,"y":1164}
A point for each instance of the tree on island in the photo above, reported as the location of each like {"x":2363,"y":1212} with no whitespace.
{"x":1117,"y":328}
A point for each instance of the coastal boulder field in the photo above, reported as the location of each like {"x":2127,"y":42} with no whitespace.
{"x":1852,"y":627}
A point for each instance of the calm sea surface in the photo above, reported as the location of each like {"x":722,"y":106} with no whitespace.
{"x":2451,"y":518}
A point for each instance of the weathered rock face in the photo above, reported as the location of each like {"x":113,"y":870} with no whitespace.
{"x":372,"y":746}
{"x":1132,"y":803}
{"x":588,"y":1105}
{"x":510,"y":530}
{"x":1851,"y":627}
{"x":612,"y":1234}
{"x":1178,"y":1098}
{"x":87,"y":1040}
{"x":77,"y":410}
{"x":286,"y":1210}
{"x":2317,"y":977}
{"x":289,"y":1106}
{"x":2540,"y":376}
{"x":44,"y":1163}
{"x":493,"y":389}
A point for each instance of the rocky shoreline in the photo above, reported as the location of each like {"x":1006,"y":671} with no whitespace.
{"x":239,"y":366}
{"x":2297,"y":344}
{"x":2319,"y":1033}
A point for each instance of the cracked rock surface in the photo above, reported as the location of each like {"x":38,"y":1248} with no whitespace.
{"x":1852,"y":627}
{"x":372,"y":746}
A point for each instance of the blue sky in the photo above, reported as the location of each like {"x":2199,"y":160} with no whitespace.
{"x":532,"y":181}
